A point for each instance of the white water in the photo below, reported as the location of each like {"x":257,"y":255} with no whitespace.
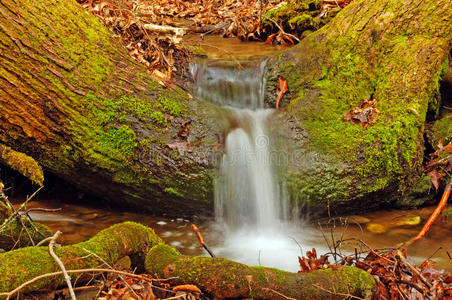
{"x":251,"y":207}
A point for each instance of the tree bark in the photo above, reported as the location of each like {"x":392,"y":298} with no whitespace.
{"x":220,"y":278}
{"x":393,"y":52}
{"x":76,"y":102}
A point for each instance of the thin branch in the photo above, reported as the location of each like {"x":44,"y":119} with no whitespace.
{"x":201,"y":240}
{"x":278,"y":293}
{"x":67,"y":278}
{"x":108,"y":265}
{"x":336,"y":293}
{"x":279,"y":27}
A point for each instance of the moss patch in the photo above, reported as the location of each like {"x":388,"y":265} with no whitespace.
{"x":22,"y":163}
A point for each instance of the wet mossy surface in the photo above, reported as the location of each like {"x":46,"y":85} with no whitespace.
{"x":359,"y":56}
{"x":22,"y":163}
{"x":96,"y":118}
{"x":19,"y":266}
{"x":226,"y":278}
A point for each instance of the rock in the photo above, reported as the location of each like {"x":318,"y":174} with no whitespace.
{"x":336,"y":166}
{"x":376,"y":228}
{"x":358,"y":220}
{"x":410,"y":220}
{"x":419,"y":193}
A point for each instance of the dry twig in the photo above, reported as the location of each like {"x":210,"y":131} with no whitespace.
{"x":67,"y":278}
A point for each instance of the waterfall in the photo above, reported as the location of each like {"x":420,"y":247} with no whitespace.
{"x":247,"y":193}
{"x":251,"y":209}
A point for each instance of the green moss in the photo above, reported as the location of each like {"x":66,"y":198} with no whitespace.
{"x":172,"y":191}
{"x":22,"y":163}
{"x":117,"y":241}
{"x":166,"y":256}
{"x":299,"y":15}
{"x":440,"y":131}
{"x":121,"y":139}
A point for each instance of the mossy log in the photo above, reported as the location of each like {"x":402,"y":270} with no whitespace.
{"x":19,"y":266}
{"x":223,"y":278}
{"x":78,"y":104}
{"x":390,"y":51}
{"x":218,"y":277}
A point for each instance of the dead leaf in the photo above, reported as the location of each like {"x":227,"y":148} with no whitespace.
{"x":184,"y":131}
{"x":187,"y":288}
{"x":280,"y":90}
{"x":365,"y":114}
{"x":181,"y":147}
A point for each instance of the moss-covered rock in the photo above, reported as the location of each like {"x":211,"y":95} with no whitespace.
{"x":441,"y":130}
{"x":16,"y":233}
{"x":371,"y":50}
{"x":419,"y":193}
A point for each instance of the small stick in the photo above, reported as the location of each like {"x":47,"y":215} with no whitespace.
{"x":442,"y":203}
{"x":279,"y":294}
{"x":336,"y":293}
{"x":60,"y":264}
{"x":404,"y":261}
{"x":201,"y":240}
{"x":434,"y":253}
{"x":279,"y":27}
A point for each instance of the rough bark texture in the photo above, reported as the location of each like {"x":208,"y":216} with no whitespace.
{"x":218,"y":277}
{"x":392,"y":51}
{"x":223,"y":278}
{"x":73,"y":100}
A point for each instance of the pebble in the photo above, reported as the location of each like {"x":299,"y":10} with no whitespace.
{"x":408,"y":220}
{"x":358,"y":220}
{"x":376,"y":228}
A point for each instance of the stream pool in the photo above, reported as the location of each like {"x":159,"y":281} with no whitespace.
{"x":379,"y":229}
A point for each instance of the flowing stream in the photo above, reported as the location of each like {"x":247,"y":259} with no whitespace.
{"x":253,"y":221}
{"x":252,"y":211}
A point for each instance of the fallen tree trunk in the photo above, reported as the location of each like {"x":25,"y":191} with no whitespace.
{"x":361,"y":88}
{"x":76,"y":102}
{"x":218,"y":277}
{"x":223,"y":278}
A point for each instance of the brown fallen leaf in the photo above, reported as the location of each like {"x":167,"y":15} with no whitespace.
{"x":181,"y":147}
{"x":184,"y":131}
{"x":435,"y":177}
{"x":187,"y":288}
{"x":280,"y":90}
{"x":364,"y":114}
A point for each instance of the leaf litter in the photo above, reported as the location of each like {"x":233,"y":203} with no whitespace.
{"x":152,"y":31}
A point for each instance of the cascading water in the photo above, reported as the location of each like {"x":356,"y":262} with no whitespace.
{"x":251,"y":207}
{"x":247,"y":193}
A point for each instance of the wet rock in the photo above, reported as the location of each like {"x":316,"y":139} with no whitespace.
{"x":410,"y":220}
{"x":358,"y":220}
{"x":376,"y":228}
{"x":417,"y":195}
